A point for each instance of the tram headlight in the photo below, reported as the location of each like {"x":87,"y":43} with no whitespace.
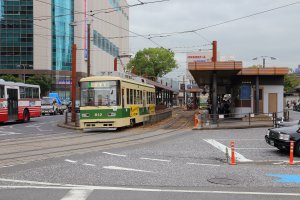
{"x":112,"y":114}
{"x":85,"y":115}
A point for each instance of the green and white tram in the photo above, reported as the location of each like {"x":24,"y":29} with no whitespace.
{"x":109,"y":102}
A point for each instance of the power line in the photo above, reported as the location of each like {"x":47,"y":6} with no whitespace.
{"x":224,"y":22}
{"x":109,"y":10}
{"x":127,"y":30}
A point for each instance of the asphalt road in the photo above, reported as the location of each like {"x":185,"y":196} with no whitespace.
{"x":185,"y":165}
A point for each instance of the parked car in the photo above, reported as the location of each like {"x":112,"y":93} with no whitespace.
{"x":77,"y":106}
{"x":281,"y":137}
{"x":296,"y":107}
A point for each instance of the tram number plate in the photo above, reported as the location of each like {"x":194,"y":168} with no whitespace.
{"x":98,"y":114}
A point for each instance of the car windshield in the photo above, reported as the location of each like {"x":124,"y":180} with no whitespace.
{"x":47,"y":101}
{"x":100,"y":93}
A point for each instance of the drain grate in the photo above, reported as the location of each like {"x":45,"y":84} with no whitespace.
{"x":223,"y":181}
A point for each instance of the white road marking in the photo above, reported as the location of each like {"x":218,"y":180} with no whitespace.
{"x":70,"y":161}
{"x":254,"y":148}
{"x":87,"y":164}
{"x":222,"y":147}
{"x":113,"y":154}
{"x":154,"y":159}
{"x":77,"y":194}
{"x":125,"y":169}
{"x":279,"y":163}
{"x":28,"y":182}
{"x":9,"y":133}
{"x":240,"y":139}
{"x":200,"y":164}
{"x":86,"y":187}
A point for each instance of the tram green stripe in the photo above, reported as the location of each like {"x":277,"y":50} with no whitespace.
{"x":109,"y":113}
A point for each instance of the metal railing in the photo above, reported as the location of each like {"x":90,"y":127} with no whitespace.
{"x":206,"y":120}
{"x":151,"y":119}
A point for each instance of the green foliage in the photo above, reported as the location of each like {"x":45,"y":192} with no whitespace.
{"x":43,"y":81}
{"x":10,"y":77}
{"x":290,"y":82}
{"x":155,"y":62}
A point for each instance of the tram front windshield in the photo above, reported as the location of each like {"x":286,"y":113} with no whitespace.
{"x":100,"y":93}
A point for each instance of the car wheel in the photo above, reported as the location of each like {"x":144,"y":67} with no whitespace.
{"x":297,"y":148}
{"x":26,"y":116}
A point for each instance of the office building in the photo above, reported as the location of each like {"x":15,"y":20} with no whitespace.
{"x":37,"y":38}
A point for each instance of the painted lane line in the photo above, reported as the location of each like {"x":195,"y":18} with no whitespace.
{"x":254,"y":148}
{"x":28,"y":182}
{"x":222,"y":148}
{"x":241,"y":139}
{"x":200,"y":164}
{"x":45,"y":185}
{"x":87,"y":164}
{"x":114,"y":154}
{"x":76,"y":194}
{"x":279,"y":163}
{"x":107,"y":188}
{"x":70,"y":161}
{"x":154,"y":159}
{"x":125,"y":169}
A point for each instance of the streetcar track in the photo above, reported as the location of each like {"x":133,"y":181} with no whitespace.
{"x":90,"y":146}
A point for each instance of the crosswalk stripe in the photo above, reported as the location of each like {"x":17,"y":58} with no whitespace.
{"x":77,"y":194}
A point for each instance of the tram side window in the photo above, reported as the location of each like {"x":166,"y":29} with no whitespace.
{"x":131,"y":96}
{"x":134,"y":96}
{"x":152,"y":98}
{"x":1,"y":92}
{"x":141,"y":97}
{"x":127,"y":95}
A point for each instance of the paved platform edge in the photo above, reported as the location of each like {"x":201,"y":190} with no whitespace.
{"x":62,"y":125}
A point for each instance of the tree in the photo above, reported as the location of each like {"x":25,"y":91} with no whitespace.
{"x":290,"y":82}
{"x":153,"y":62}
{"x":43,"y":81}
{"x":10,"y":77}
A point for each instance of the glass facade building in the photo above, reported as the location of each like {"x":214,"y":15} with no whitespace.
{"x":16,"y":34}
{"x":62,"y":34}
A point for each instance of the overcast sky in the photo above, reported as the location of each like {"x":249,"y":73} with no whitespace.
{"x":275,"y":33}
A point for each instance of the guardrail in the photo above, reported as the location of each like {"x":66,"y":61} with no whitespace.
{"x":203,"y":119}
{"x":151,"y":119}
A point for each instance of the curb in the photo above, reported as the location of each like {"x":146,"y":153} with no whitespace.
{"x":69,"y":127}
{"x":234,"y":127}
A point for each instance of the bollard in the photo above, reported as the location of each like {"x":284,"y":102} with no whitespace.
{"x":291,"y":153}
{"x":232,"y":153}
{"x":196,"y":121}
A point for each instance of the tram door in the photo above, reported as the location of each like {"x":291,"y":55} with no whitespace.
{"x":12,"y":104}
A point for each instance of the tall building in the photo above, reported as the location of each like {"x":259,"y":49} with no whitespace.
{"x":36,"y":38}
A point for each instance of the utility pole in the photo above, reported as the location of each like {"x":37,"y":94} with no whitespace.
{"x":73,"y":82}
{"x":184,"y":98}
{"x":89,"y":50}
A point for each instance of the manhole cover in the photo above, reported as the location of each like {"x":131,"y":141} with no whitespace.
{"x":223,"y":181}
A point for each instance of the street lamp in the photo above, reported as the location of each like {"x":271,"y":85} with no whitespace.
{"x":264,"y":59}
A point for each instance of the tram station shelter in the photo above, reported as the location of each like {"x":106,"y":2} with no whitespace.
{"x":252,"y":90}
